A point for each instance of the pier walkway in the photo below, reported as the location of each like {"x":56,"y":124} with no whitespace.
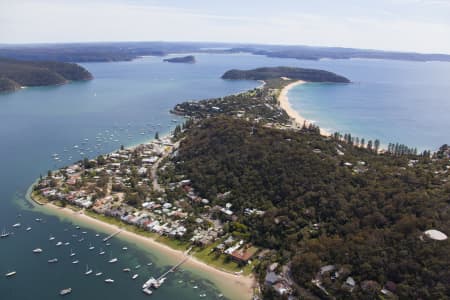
{"x":112,"y":235}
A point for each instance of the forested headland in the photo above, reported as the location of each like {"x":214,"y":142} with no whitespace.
{"x":15,"y":73}
{"x":326,"y":203}
{"x":311,"y":75}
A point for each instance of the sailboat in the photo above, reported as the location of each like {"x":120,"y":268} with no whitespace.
{"x":4,"y":234}
{"x":51,"y":238}
{"x":72,"y":253}
{"x":101,"y":252}
{"x":88,"y":271}
{"x":91,"y":247}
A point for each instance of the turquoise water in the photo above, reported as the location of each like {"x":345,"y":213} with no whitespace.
{"x":405,"y":102}
{"x":129,"y":98}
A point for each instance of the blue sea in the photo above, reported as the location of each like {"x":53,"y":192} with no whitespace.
{"x":394,"y":101}
{"x":128,"y":102}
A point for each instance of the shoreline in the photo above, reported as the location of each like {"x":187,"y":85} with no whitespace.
{"x":231,"y":285}
{"x":298,"y":119}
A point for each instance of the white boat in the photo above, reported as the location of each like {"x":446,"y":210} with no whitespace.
{"x":159,"y":282}
{"x":28,"y":229}
{"x":137,"y":267}
{"x":88,"y":271}
{"x":51,"y":238}
{"x":38,"y":220}
{"x":91,"y":247}
{"x":66,"y":243}
{"x":37,"y":250}
{"x":99,"y":274}
{"x":72,"y":253}
{"x":16,"y":225}
{"x":109,"y":280}
{"x":59,"y":244}
{"x":149,"y":283}
{"x":52,"y":261}
{"x":127,"y":270}
{"x":97,"y":235}
{"x":11,"y":274}
{"x":80,"y":240}
{"x":135,"y":276}
{"x":101,"y":252}
{"x":4,"y":234}
{"x":147,"y":291}
{"x":75,"y":261}
{"x":202,"y":295}
{"x":65,"y":291}
{"x":149,"y":264}
{"x":124,"y":248}
{"x":111,"y":259}
{"x":195,"y":287}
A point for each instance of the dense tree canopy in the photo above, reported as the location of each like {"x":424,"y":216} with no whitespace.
{"x":354,"y":208}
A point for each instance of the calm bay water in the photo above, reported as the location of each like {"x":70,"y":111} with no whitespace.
{"x":128,"y":102}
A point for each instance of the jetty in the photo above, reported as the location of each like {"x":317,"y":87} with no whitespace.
{"x":112,"y":235}
{"x":173,"y":268}
{"x":156,"y":283}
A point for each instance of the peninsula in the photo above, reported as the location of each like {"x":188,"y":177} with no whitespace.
{"x":311,"y":216}
{"x":15,"y":74}
{"x":190,"y":59}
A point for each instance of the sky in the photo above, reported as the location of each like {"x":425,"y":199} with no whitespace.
{"x":403,"y":25}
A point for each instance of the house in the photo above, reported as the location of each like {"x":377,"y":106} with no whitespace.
{"x":244,"y":254}
{"x":271,"y":278}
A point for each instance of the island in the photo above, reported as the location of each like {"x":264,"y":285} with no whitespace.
{"x":250,"y":191}
{"x":189,"y":59}
{"x":311,"y":75}
{"x":15,"y":74}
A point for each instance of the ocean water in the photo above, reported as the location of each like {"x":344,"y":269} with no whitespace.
{"x":394,"y":101}
{"x":128,"y":102}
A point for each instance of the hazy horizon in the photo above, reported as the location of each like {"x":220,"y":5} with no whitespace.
{"x":391,"y":25}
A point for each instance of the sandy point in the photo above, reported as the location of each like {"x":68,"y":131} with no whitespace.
{"x":298,"y":120}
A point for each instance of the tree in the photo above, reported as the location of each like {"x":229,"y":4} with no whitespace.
{"x":377,"y":145}
{"x":156,"y":135}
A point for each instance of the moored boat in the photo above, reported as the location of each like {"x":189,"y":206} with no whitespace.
{"x":10,"y":274}
{"x":65,"y":291}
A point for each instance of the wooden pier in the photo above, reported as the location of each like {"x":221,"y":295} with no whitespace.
{"x":176,"y":266}
{"x":112,"y":235}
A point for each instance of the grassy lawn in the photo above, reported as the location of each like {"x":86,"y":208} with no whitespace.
{"x":38,"y":198}
{"x":221,"y":261}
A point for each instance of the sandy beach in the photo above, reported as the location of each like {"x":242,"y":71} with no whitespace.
{"x":232,"y":286}
{"x":298,"y":119}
